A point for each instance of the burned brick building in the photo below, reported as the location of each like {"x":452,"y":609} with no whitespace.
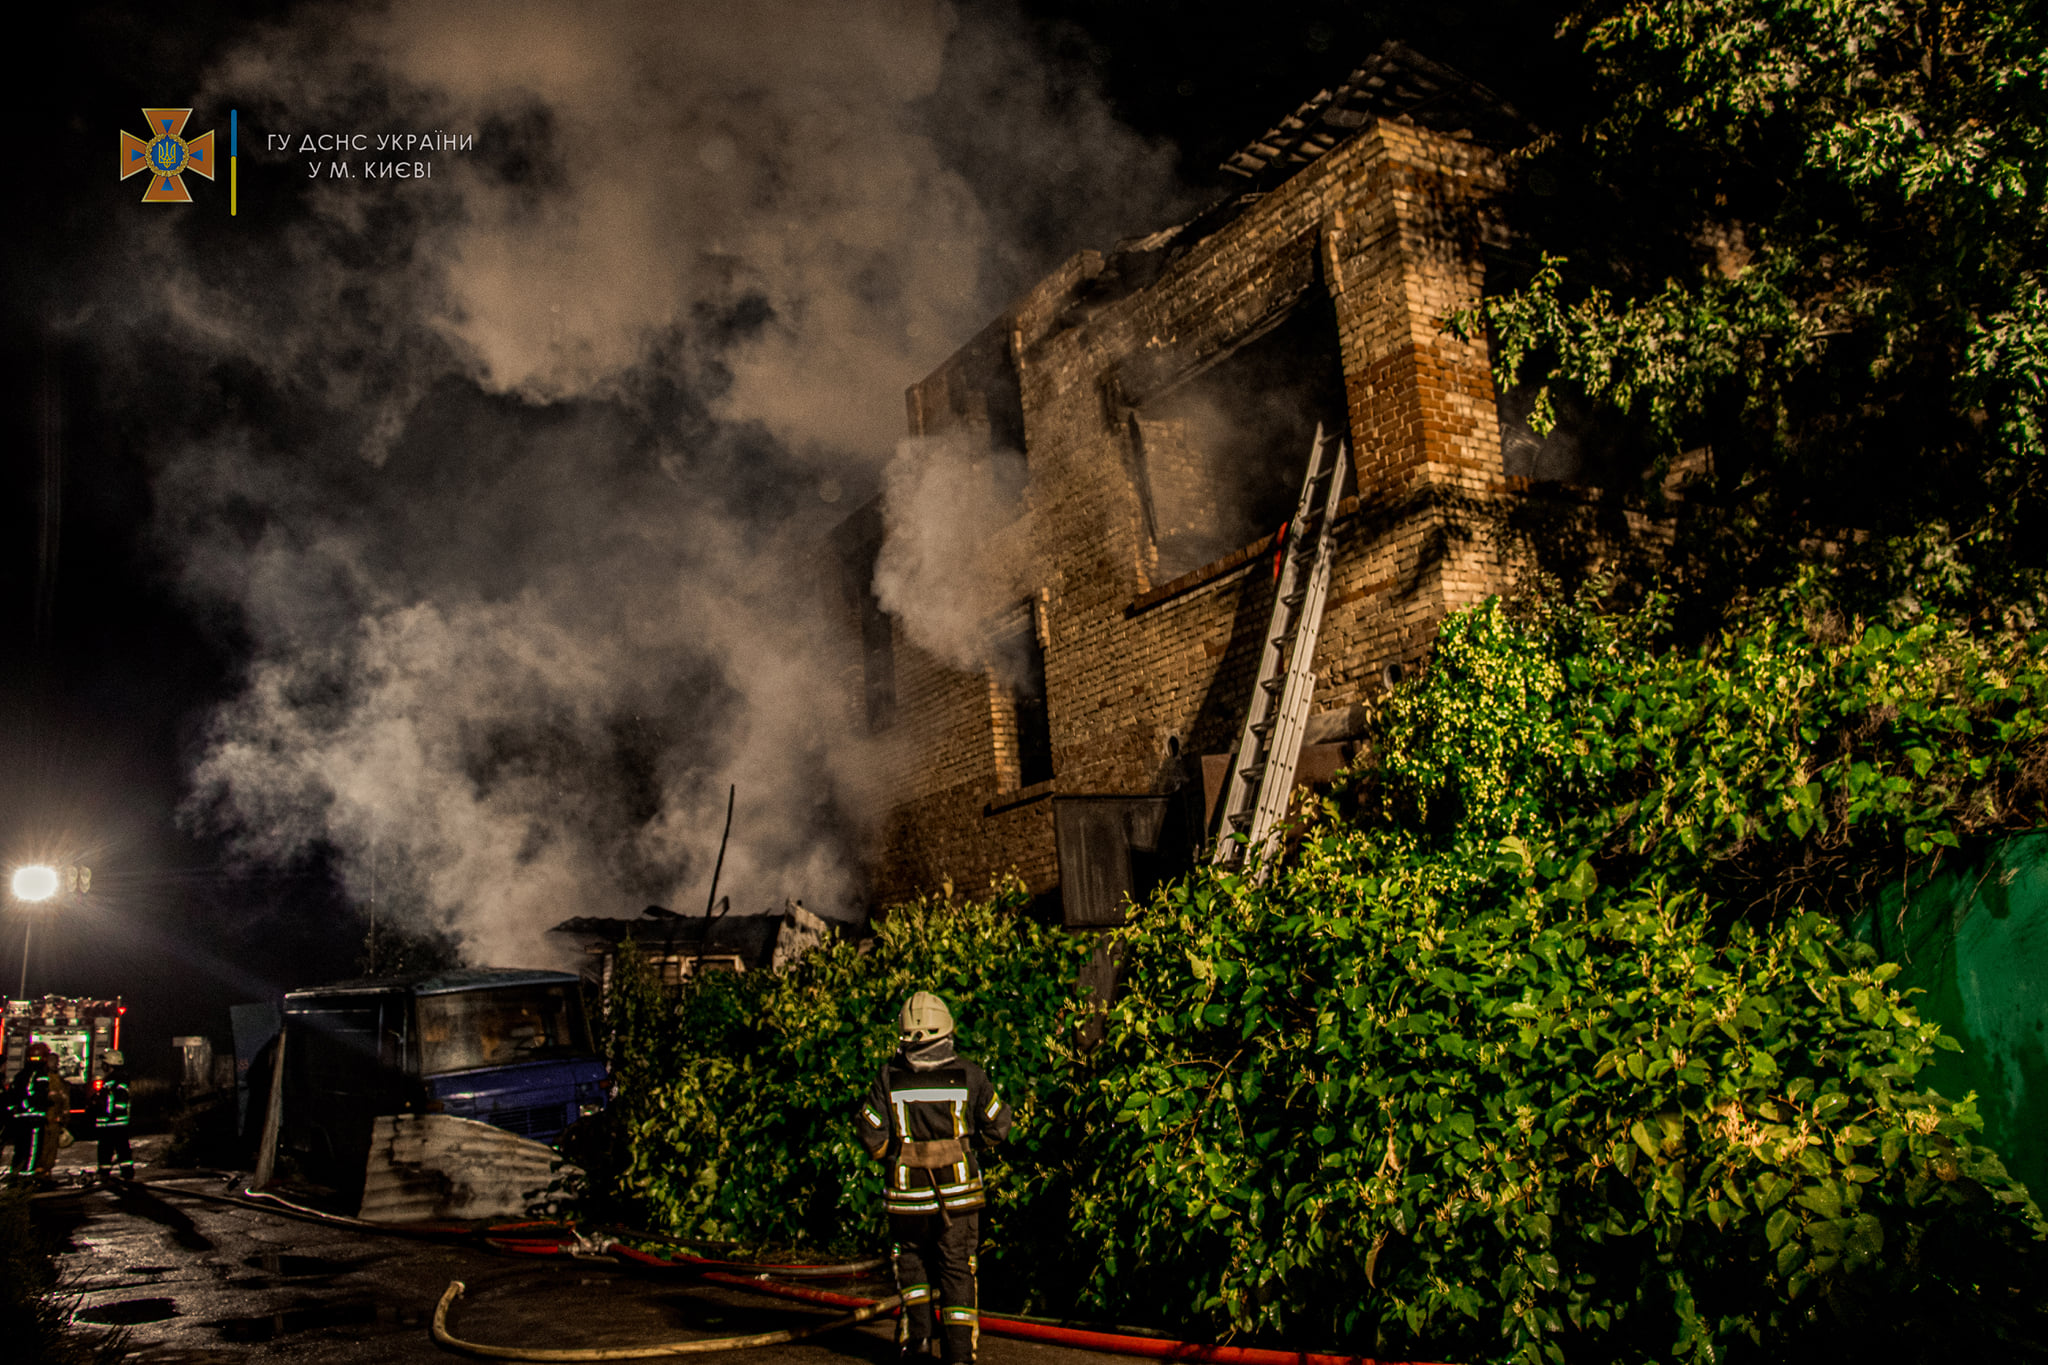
{"x":1164,"y":397}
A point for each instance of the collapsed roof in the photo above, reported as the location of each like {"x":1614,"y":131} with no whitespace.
{"x":1395,"y":83}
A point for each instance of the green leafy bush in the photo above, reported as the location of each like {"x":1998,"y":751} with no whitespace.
{"x":1797,"y":756}
{"x":1490,"y":1110}
{"x":1538,"y":1049}
{"x":735,"y":1109}
{"x":1544,"y":1042}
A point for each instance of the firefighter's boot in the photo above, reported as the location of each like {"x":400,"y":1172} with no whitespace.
{"x":914,"y":1337}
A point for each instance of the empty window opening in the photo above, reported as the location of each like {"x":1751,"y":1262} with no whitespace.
{"x":978,"y":390}
{"x":1224,"y":453}
{"x":1004,"y":396}
{"x":877,"y":661}
{"x":1019,"y":665}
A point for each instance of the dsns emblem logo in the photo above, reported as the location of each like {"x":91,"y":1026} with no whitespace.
{"x":166,"y":156}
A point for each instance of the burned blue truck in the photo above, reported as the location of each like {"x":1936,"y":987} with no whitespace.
{"x":506,"y":1047}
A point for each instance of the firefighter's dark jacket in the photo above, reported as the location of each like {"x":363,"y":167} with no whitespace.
{"x":29,"y":1096}
{"x":953,"y":1102}
{"x":114,"y":1108}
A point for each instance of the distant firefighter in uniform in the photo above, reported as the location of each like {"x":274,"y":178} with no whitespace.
{"x":113,"y":1121}
{"x":28,"y":1109}
{"x":56,"y":1113}
{"x":15,"y":1113}
{"x":925,"y":1115}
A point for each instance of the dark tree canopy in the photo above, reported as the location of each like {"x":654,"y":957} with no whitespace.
{"x":1809,"y":234}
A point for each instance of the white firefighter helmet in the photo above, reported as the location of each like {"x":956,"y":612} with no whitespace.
{"x":925,"y":1019}
{"x":114,"y":1057}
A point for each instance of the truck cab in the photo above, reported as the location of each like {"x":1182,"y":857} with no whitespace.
{"x":507,"y":1047}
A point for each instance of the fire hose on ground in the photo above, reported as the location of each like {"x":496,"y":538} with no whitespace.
{"x":697,"y":1346}
{"x":758,"y":1281}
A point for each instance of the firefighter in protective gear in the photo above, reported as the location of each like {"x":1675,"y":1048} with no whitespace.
{"x":29,"y":1102}
{"x":113,"y":1114}
{"x":925,"y":1116}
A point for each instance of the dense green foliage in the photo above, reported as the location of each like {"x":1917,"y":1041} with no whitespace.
{"x":1543,"y":1050}
{"x":1480,"y":1113}
{"x":1791,"y":760}
{"x":1809,"y":234}
{"x":735,"y":1108}
{"x":1544,"y":1043}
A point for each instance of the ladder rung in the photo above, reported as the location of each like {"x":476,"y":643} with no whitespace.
{"x":1264,"y":728}
{"x":1274,"y":684}
{"x":1240,"y":821}
{"x":1296,"y":598}
{"x":1252,"y":773}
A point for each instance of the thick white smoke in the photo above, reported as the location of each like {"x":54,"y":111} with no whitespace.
{"x":634,"y":165}
{"x":523,"y":542}
{"x":956,"y":539}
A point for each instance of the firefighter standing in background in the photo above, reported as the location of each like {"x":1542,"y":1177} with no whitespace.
{"x":28,"y":1109}
{"x":56,"y":1114}
{"x":925,"y":1115}
{"x":113,"y":1121}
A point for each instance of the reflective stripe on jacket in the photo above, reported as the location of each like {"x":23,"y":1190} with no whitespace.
{"x":32,"y":1098}
{"x":114,"y":1107}
{"x":952,"y":1102}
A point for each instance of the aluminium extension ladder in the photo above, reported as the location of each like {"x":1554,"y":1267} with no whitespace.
{"x":1269,"y":748}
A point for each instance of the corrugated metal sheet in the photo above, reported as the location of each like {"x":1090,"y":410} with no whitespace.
{"x":424,"y":1167}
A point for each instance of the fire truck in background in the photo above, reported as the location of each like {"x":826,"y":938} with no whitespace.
{"x":79,"y":1032}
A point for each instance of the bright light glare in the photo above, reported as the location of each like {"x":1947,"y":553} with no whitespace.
{"x":35,"y":883}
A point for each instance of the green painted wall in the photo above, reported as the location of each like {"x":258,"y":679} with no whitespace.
{"x":1975,"y":939}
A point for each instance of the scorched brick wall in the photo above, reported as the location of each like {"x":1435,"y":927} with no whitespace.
{"x":1384,"y":232}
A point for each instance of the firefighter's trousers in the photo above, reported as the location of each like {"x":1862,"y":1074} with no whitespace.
{"x":114,"y":1148}
{"x":933,"y":1254}
{"x":27,"y":1137}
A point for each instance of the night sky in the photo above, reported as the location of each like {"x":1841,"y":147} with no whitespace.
{"x":453,"y":534}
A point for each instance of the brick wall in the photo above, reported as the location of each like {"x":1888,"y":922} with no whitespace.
{"x":1388,"y":226}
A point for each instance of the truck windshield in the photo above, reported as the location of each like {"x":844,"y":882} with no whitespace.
{"x":73,"y":1051}
{"x":464,"y":1030}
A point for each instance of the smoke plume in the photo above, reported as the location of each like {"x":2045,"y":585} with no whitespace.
{"x":513,"y":484}
{"x":955,"y":539}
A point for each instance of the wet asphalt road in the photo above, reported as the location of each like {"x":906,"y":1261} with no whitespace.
{"x":192,"y":1281}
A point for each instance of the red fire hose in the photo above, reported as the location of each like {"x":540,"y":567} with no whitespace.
{"x":996,"y":1324}
{"x":1157,"y":1348}
{"x":725,"y":1272}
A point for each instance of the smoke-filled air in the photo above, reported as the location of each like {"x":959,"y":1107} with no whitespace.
{"x":956,"y":532}
{"x":513,"y":486}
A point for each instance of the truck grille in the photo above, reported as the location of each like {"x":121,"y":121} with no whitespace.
{"x":539,"y":1119}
